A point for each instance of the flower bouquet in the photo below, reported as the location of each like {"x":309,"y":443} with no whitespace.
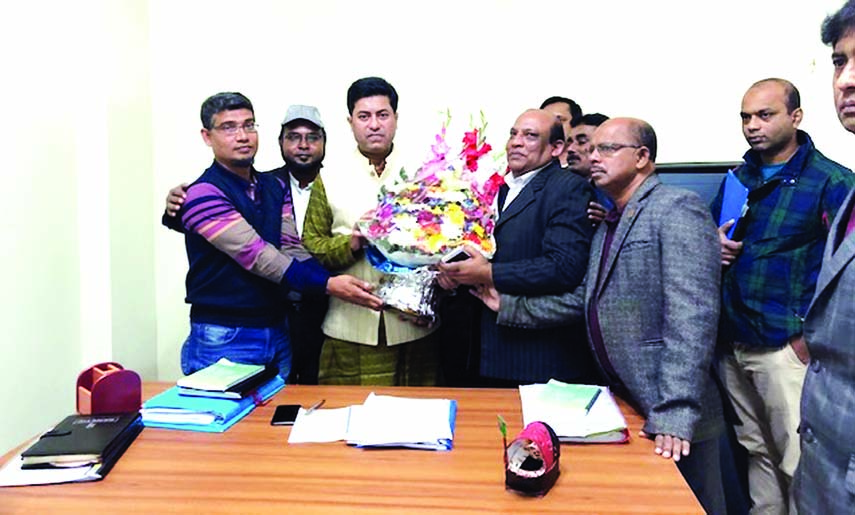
{"x":419,"y":219}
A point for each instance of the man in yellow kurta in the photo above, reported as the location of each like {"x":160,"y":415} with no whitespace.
{"x":363,"y":346}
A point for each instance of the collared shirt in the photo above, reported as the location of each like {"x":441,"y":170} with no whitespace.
{"x":768,"y":288}
{"x":300,"y":201}
{"x":515,"y":186}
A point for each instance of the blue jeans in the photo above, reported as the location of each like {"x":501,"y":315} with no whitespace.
{"x":208,"y":343}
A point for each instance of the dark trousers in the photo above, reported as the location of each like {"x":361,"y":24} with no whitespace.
{"x":305,"y":317}
{"x":459,"y":339}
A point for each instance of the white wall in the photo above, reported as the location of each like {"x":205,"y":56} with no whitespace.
{"x":683,"y":66}
{"x":77,"y":269}
{"x":103,"y":119}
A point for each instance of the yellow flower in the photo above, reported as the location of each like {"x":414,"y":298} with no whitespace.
{"x":455,"y":214}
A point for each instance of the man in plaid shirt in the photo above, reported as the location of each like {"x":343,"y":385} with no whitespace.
{"x":770,"y":266}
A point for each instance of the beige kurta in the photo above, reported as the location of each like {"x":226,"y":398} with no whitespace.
{"x":352,"y":188}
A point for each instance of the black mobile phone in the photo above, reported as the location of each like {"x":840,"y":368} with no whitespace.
{"x":455,"y":255}
{"x":285,"y":415}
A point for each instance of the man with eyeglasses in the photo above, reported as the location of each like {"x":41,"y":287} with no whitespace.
{"x":770,"y":267}
{"x":244,"y":252}
{"x":542,"y":242}
{"x":651,"y":302}
{"x":302,"y":143}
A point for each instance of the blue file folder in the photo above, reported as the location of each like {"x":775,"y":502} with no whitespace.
{"x":733,"y":203}
{"x":174,"y":411}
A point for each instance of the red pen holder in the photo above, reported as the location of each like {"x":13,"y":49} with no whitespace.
{"x":108,"y":388}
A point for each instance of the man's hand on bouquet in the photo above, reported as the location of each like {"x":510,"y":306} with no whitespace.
{"x":175,"y":198}
{"x":488,"y":295}
{"x":473,"y":271}
{"x":351,"y":289}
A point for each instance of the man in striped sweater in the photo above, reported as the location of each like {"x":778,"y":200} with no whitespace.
{"x":244,"y":251}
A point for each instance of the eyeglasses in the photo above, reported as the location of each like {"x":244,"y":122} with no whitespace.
{"x":609,"y":149}
{"x":296,"y":137}
{"x":232,"y":129}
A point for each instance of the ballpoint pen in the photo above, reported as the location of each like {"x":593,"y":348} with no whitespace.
{"x":315,"y":406}
{"x":592,"y":401}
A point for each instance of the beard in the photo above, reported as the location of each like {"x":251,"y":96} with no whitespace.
{"x":243,"y":163}
{"x":300,"y":170}
{"x":303,"y":168}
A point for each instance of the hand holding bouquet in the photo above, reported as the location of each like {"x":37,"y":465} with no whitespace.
{"x":419,"y":219}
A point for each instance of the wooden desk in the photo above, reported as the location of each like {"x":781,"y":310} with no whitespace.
{"x":251,"y":469}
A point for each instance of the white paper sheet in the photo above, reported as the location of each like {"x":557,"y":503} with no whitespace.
{"x":321,"y":425}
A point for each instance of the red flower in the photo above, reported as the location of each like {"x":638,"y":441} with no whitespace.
{"x":472,"y":151}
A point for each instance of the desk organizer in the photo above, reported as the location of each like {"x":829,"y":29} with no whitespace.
{"x":108,"y":388}
{"x":532,"y":460}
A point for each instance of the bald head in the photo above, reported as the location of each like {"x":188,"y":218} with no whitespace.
{"x":535,"y":139}
{"x":623,"y":157}
{"x":789,"y":93}
{"x":638,"y":131}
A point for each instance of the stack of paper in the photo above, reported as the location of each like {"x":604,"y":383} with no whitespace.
{"x":577,"y":413}
{"x":172,"y":410}
{"x":382,"y":421}
{"x":80,"y":448}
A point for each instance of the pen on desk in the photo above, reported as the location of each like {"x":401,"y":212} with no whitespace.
{"x":315,"y":406}
{"x":593,"y":400}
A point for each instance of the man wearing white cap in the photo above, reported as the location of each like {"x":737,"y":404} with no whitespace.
{"x":302,"y":141}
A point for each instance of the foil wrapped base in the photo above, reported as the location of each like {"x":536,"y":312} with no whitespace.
{"x":412,"y":293}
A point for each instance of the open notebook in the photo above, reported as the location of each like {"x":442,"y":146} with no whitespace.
{"x":382,"y":421}
{"x":570,"y":416}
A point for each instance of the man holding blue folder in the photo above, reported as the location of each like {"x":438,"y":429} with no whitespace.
{"x":771,"y":264}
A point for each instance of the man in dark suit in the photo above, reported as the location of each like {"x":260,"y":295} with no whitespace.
{"x":824,"y":481}
{"x":542,"y":242}
{"x":652,"y":304}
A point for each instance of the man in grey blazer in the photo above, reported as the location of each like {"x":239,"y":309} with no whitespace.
{"x":542,"y":241}
{"x":651,"y":299}
{"x":824,"y":481}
